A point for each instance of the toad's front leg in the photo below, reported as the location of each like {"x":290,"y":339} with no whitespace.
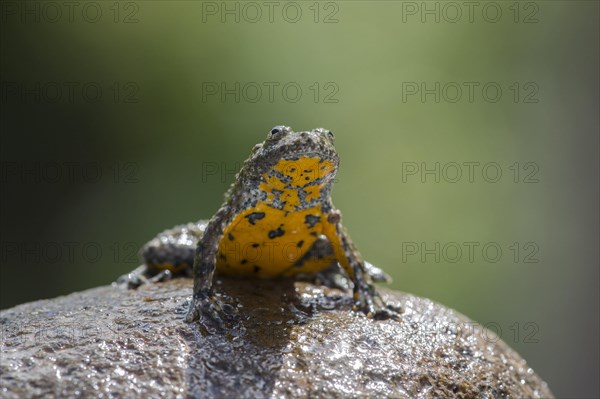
{"x":366,"y":297}
{"x":204,"y":301}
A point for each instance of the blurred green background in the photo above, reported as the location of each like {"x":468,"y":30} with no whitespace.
{"x":115,"y":126}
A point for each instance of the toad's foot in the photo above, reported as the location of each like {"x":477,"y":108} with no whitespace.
{"x":370,"y":302}
{"x":334,"y":276}
{"x":208,"y":305}
{"x":377,"y":275}
{"x":141,"y":276}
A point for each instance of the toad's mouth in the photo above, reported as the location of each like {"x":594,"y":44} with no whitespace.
{"x":309,"y":154}
{"x":308,"y":149}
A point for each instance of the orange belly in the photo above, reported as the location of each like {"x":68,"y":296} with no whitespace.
{"x":266,"y":242}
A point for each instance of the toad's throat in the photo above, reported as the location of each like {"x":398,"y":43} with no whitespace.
{"x":295,"y":184}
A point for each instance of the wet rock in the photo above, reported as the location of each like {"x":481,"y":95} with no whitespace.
{"x":288,"y":339}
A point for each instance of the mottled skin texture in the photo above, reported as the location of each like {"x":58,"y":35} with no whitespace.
{"x":278,"y":220}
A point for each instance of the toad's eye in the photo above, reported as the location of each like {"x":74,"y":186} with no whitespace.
{"x":331,"y":136}
{"x":277,"y":134}
{"x":276,"y":130}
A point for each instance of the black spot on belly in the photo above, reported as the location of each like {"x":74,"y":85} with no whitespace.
{"x":313,"y":233}
{"x":300,"y":243}
{"x":243,"y":261}
{"x":276,"y":233}
{"x":230,"y":236}
{"x":311,"y":220}
{"x":256,"y":268}
{"x":255,"y":245}
{"x":222,"y":257}
{"x":254,"y":216}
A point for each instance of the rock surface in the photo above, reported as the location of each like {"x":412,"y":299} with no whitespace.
{"x":290,"y":339}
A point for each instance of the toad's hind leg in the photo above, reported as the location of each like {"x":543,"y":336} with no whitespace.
{"x":366,"y":297}
{"x":169,"y":254}
{"x":335,"y":277}
{"x":143,"y":275}
{"x":377,"y":275}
